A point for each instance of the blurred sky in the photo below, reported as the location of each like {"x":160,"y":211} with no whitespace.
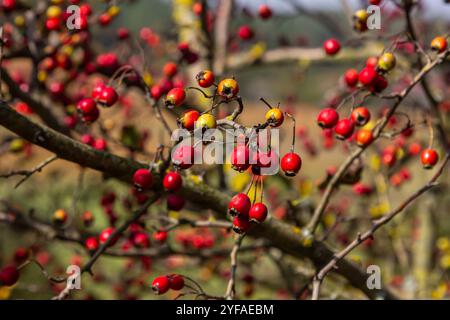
{"x":432,"y":8}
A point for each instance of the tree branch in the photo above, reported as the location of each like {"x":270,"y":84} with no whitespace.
{"x":41,"y":110}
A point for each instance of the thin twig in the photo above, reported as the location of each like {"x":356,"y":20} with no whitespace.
{"x":28,"y":173}
{"x":231,"y":288}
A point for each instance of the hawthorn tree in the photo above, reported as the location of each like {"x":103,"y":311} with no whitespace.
{"x":64,"y":102}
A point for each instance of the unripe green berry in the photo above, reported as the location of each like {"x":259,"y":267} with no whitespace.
{"x":386,"y":62}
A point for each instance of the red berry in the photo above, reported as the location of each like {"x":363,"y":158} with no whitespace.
{"x":264,"y":11}
{"x":367,"y":76}
{"x":100,"y":145}
{"x":91,"y":117}
{"x":106,"y":234}
{"x":239,"y":205}
{"x":197,"y":8}
{"x":240,"y":158}
{"x":258,"y":213}
{"x":88,"y":110}
{"x":183,"y":157}
{"x":439,"y":44}
{"x":176,"y":282}
{"x":328,"y":118}
{"x":88,"y":139}
{"x":160,"y":236}
{"x":245,"y":32}
{"x":85,"y":9}
{"x":87,"y":218}
{"x":389,"y":158}
{"x":86,"y":106}
{"x":143,"y":179}
{"x":188,"y":119}
{"x":344,"y":129}
{"x":9,"y":276}
{"x":123,"y":33}
{"x":364,"y":137}
{"x":104,"y":19}
{"x":360,"y":116}
{"x":291,"y":164}
{"x":429,"y":158}
{"x":172,"y":181}
{"x":97,"y":91}
{"x":205,"y":78}
{"x":161,"y":285}
{"x":175,"y":97}
{"x":84,"y":22}
{"x":331,"y":47}
{"x":372,"y":62}
{"x":141,"y":240}
{"x":375,"y":2}
{"x":414,"y":149}
{"x":91,"y":244}
{"x":175,"y":202}
{"x":379,"y":84}
{"x":53,"y":24}
{"x":108,"y":97}
{"x":8,"y":5}
{"x":21,"y":255}
{"x":108,"y":61}
{"x":241,"y":224}
{"x":351,"y":77}
{"x":156,"y":92}
{"x":183,"y":47}
{"x":362,"y":189}
{"x":170,"y":69}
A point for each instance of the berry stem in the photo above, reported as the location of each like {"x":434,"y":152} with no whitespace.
{"x":431,"y":134}
{"x":251,"y":184}
{"x":256,"y":190}
{"x":120,"y":72}
{"x":293,"y":130}
{"x":207,"y":96}
{"x":262,"y":189}
{"x":265,"y":102}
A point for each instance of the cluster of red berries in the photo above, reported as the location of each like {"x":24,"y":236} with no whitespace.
{"x":400,"y":177}
{"x":197,"y":239}
{"x":244,"y":213}
{"x":328,"y":118}
{"x":291,"y":162}
{"x":103,"y":95}
{"x":99,"y":144}
{"x":138,"y":238}
{"x":172,"y":181}
{"x":372,"y":75}
{"x":169,"y":85}
{"x":162,"y":284}
{"x":92,"y":243}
